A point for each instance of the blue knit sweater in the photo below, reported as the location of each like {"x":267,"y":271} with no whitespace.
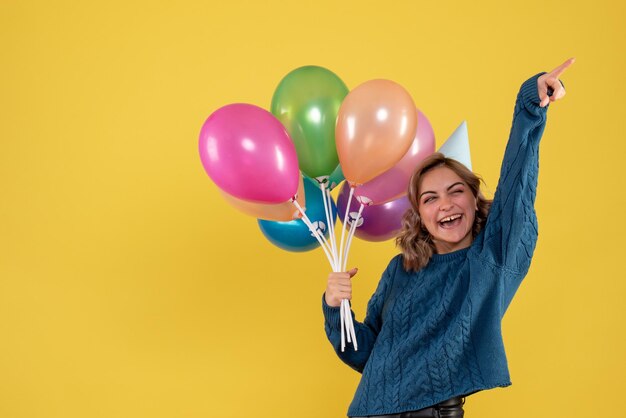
{"x":436,"y":333}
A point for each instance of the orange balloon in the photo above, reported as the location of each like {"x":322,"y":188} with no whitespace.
{"x":376,"y":125}
{"x":285,"y":211}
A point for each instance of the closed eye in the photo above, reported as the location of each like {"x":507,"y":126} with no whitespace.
{"x":456,"y":188}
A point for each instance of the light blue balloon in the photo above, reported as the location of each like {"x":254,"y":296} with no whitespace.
{"x":295,"y":235}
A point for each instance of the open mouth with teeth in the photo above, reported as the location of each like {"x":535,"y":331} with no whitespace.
{"x":450,"y":221}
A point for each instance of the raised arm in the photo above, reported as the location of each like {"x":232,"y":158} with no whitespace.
{"x":511,"y":231}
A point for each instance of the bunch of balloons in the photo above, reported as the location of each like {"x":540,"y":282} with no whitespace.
{"x":281,"y":166}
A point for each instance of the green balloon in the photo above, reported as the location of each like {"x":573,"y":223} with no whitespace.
{"x":307,"y":101}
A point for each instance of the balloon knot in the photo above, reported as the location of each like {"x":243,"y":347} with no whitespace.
{"x":364,"y":200}
{"x":353,"y":216}
{"x":322,"y":179}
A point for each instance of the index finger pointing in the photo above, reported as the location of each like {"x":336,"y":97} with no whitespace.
{"x":561,"y":68}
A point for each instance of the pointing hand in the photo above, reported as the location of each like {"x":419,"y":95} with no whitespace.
{"x":549,"y":82}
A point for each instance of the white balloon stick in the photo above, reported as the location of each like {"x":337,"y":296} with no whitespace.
{"x":346,"y":314}
{"x":347,"y":325}
{"x":329,"y":223}
{"x":352,"y":331}
{"x":350,"y":326}
{"x":345,"y":221}
{"x":331,"y":228}
{"x":316,"y":234}
{"x":353,"y":227}
{"x":342,"y":315}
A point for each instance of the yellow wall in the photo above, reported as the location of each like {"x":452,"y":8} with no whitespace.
{"x":128,"y":286}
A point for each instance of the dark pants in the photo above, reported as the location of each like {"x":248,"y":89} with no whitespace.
{"x":452,"y":408}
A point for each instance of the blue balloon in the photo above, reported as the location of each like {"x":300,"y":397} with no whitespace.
{"x":295,"y":235}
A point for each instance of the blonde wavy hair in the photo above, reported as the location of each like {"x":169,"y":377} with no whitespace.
{"x":414,"y":240}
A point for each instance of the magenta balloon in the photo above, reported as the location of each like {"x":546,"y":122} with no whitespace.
{"x":380,"y":222}
{"x":394,"y":182}
{"x":247,"y":152}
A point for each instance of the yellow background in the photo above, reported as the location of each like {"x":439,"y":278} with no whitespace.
{"x":128,"y":286}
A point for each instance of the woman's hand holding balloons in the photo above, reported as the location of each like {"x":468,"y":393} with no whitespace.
{"x":339,"y":287}
{"x":550,"y":81}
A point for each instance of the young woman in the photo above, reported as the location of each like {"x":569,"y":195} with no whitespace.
{"x":432,"y":333}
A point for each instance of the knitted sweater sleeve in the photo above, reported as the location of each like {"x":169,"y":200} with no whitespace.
{"x":366,"y":331}
{"x":510,"y":234}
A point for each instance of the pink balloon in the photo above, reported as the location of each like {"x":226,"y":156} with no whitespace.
{"x":394,"y":182}
{"x":378,"y":222}
{"x":247,"y":152}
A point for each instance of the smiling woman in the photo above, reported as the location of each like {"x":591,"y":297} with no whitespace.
{"x":447,"y":210}
{"x":432,"y":334}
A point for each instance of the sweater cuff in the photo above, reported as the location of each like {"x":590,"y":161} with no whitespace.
{"x":529,"y":93}
{"x":331,"y":314}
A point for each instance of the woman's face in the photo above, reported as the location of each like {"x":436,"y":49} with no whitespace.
{"x":447,"y":208}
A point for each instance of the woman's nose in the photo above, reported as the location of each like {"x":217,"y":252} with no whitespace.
{"x":445,"y":204}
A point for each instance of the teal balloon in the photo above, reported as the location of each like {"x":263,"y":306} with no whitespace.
{"x":332,"y":181}
{"x":307,"y":101}
{"x":295,"y":235}
{"x":335,"y":178}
